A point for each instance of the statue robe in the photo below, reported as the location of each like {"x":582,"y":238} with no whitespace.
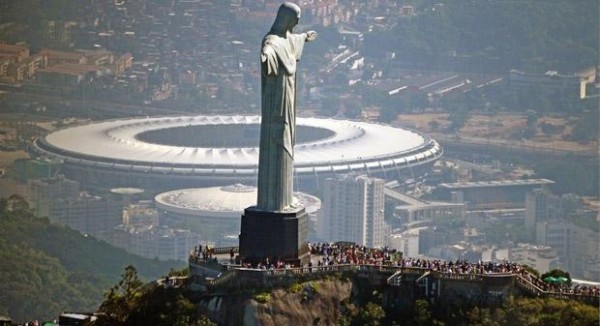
{"x":278,"y":126}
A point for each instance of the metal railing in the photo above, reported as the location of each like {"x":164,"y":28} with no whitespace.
{"x":393,"y":276}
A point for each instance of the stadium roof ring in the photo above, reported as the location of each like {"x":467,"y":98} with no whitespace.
{"x":227,"y":146}
{"x":221,"y":202}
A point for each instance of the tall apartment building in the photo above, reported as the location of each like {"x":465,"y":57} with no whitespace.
{"x":577,"y":246}
{"x":88,"y":214}
{"x":541,"y":205}
{"x":353,"y":210}
{"x":155,"y":242}
{"x":567,"y":226}
{"x":61,"y":201}
{"x":536,"y":207}
{"x":42,"y":193}
{"x":542,"y":258}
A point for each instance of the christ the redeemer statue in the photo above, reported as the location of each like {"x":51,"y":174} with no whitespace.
{"x":274,"y":228}
{"x":281,"y":49}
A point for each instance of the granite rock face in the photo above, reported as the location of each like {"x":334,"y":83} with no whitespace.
{"x":315,"y":302}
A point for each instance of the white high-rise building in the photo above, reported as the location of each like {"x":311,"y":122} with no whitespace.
{"x":353,"y":210}
{"x":578,"y":246}
{"x":542,"y":258}
{"x":536,"y":207}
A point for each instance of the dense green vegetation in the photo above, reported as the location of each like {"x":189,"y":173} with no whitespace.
{"x":493,"y":37}
{"x":530,"y":35}
{"x":131,"y":302}
{"x":47,"y":269}
{"x":518,"y":311}
{"x":514,"y":311}
{"x":572,"y":175}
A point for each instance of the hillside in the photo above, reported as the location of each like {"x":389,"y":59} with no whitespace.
{"x":47,"y":269}
{"x":330,"y":301}
{"x":529,"y":35}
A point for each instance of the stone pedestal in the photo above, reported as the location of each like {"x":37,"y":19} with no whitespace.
{"x":274,"y":235}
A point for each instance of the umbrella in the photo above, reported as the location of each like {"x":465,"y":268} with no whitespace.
{"x":558,"y":279}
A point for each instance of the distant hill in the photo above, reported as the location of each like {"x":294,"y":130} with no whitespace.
{"x":46,"y":269}
{"x":530,"y":35}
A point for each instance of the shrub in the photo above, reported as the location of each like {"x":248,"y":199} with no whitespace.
{"x":295,"y":288}
{"x":262,"y":297}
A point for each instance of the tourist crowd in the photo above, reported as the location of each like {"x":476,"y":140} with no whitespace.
{"x":344,"y":253}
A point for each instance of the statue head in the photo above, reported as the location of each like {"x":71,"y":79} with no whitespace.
{"x":287,"y":17}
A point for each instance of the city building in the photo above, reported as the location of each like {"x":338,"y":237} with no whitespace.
{"x":536,"y":207}
{"x":59,"y":68}
{"x":353,"y":210}
{"x":411,"y":209}
{"x":16,"y":63}
{"x":61,"y":201}
{"x":576,"y":82}
{"x":577,"y":246}
{"x":56,"y":57}
{"x":141,"y":233}
{"x":60,"y":32}
{"x":497,"y":194}
{"x":141,"y":214}
{"x":43,"y":193}
{"x":433,"y":237}
{"x":155,"y":242}
{"x":88,"y":214}
{"x":541,"y":205}
{"x":542,"y":258}
{"x":406,"y":242}
{"x":15,"y":52}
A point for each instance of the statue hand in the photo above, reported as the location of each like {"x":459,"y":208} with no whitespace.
{"x":311,"y":36}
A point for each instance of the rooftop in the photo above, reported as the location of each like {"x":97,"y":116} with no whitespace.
{"x":497,"y":183}
{"x":228,"y":199}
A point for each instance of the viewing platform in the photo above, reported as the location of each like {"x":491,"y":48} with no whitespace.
{"x":217,"y":271}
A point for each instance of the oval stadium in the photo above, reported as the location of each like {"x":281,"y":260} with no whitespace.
{"x":164,"y":153}
{"x":214,"y":212}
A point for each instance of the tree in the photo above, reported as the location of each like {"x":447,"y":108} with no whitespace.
{"x":531,"y":270}
{"x":434,"y":125}
{"x":571,"y":174}
{"x":121,"y":299}
{"x":130,"y":302}
{"x":352,"y":109}
{"x":586,"y":128}
{"x":16,"y":205}
{"x":481,"y":316}
{"x":370,"y":314}
{"x":458,"y":118}
{"x":329,"y":106}
{"x":387,"y":114}
{"x":422,"y":313}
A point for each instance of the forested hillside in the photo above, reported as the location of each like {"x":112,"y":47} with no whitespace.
{"x":530,"y":35}
{"x":46,"y":269}
{"x":331,"y":301}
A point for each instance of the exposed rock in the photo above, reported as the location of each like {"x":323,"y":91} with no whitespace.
{"x":313,"y":303}
{"x":306,"y":307}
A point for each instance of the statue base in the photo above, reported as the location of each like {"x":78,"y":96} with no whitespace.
{"x":274,"y":235}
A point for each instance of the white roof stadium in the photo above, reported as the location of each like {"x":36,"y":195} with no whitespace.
{"x":226,"y":201}
{"x":202,"y":146}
